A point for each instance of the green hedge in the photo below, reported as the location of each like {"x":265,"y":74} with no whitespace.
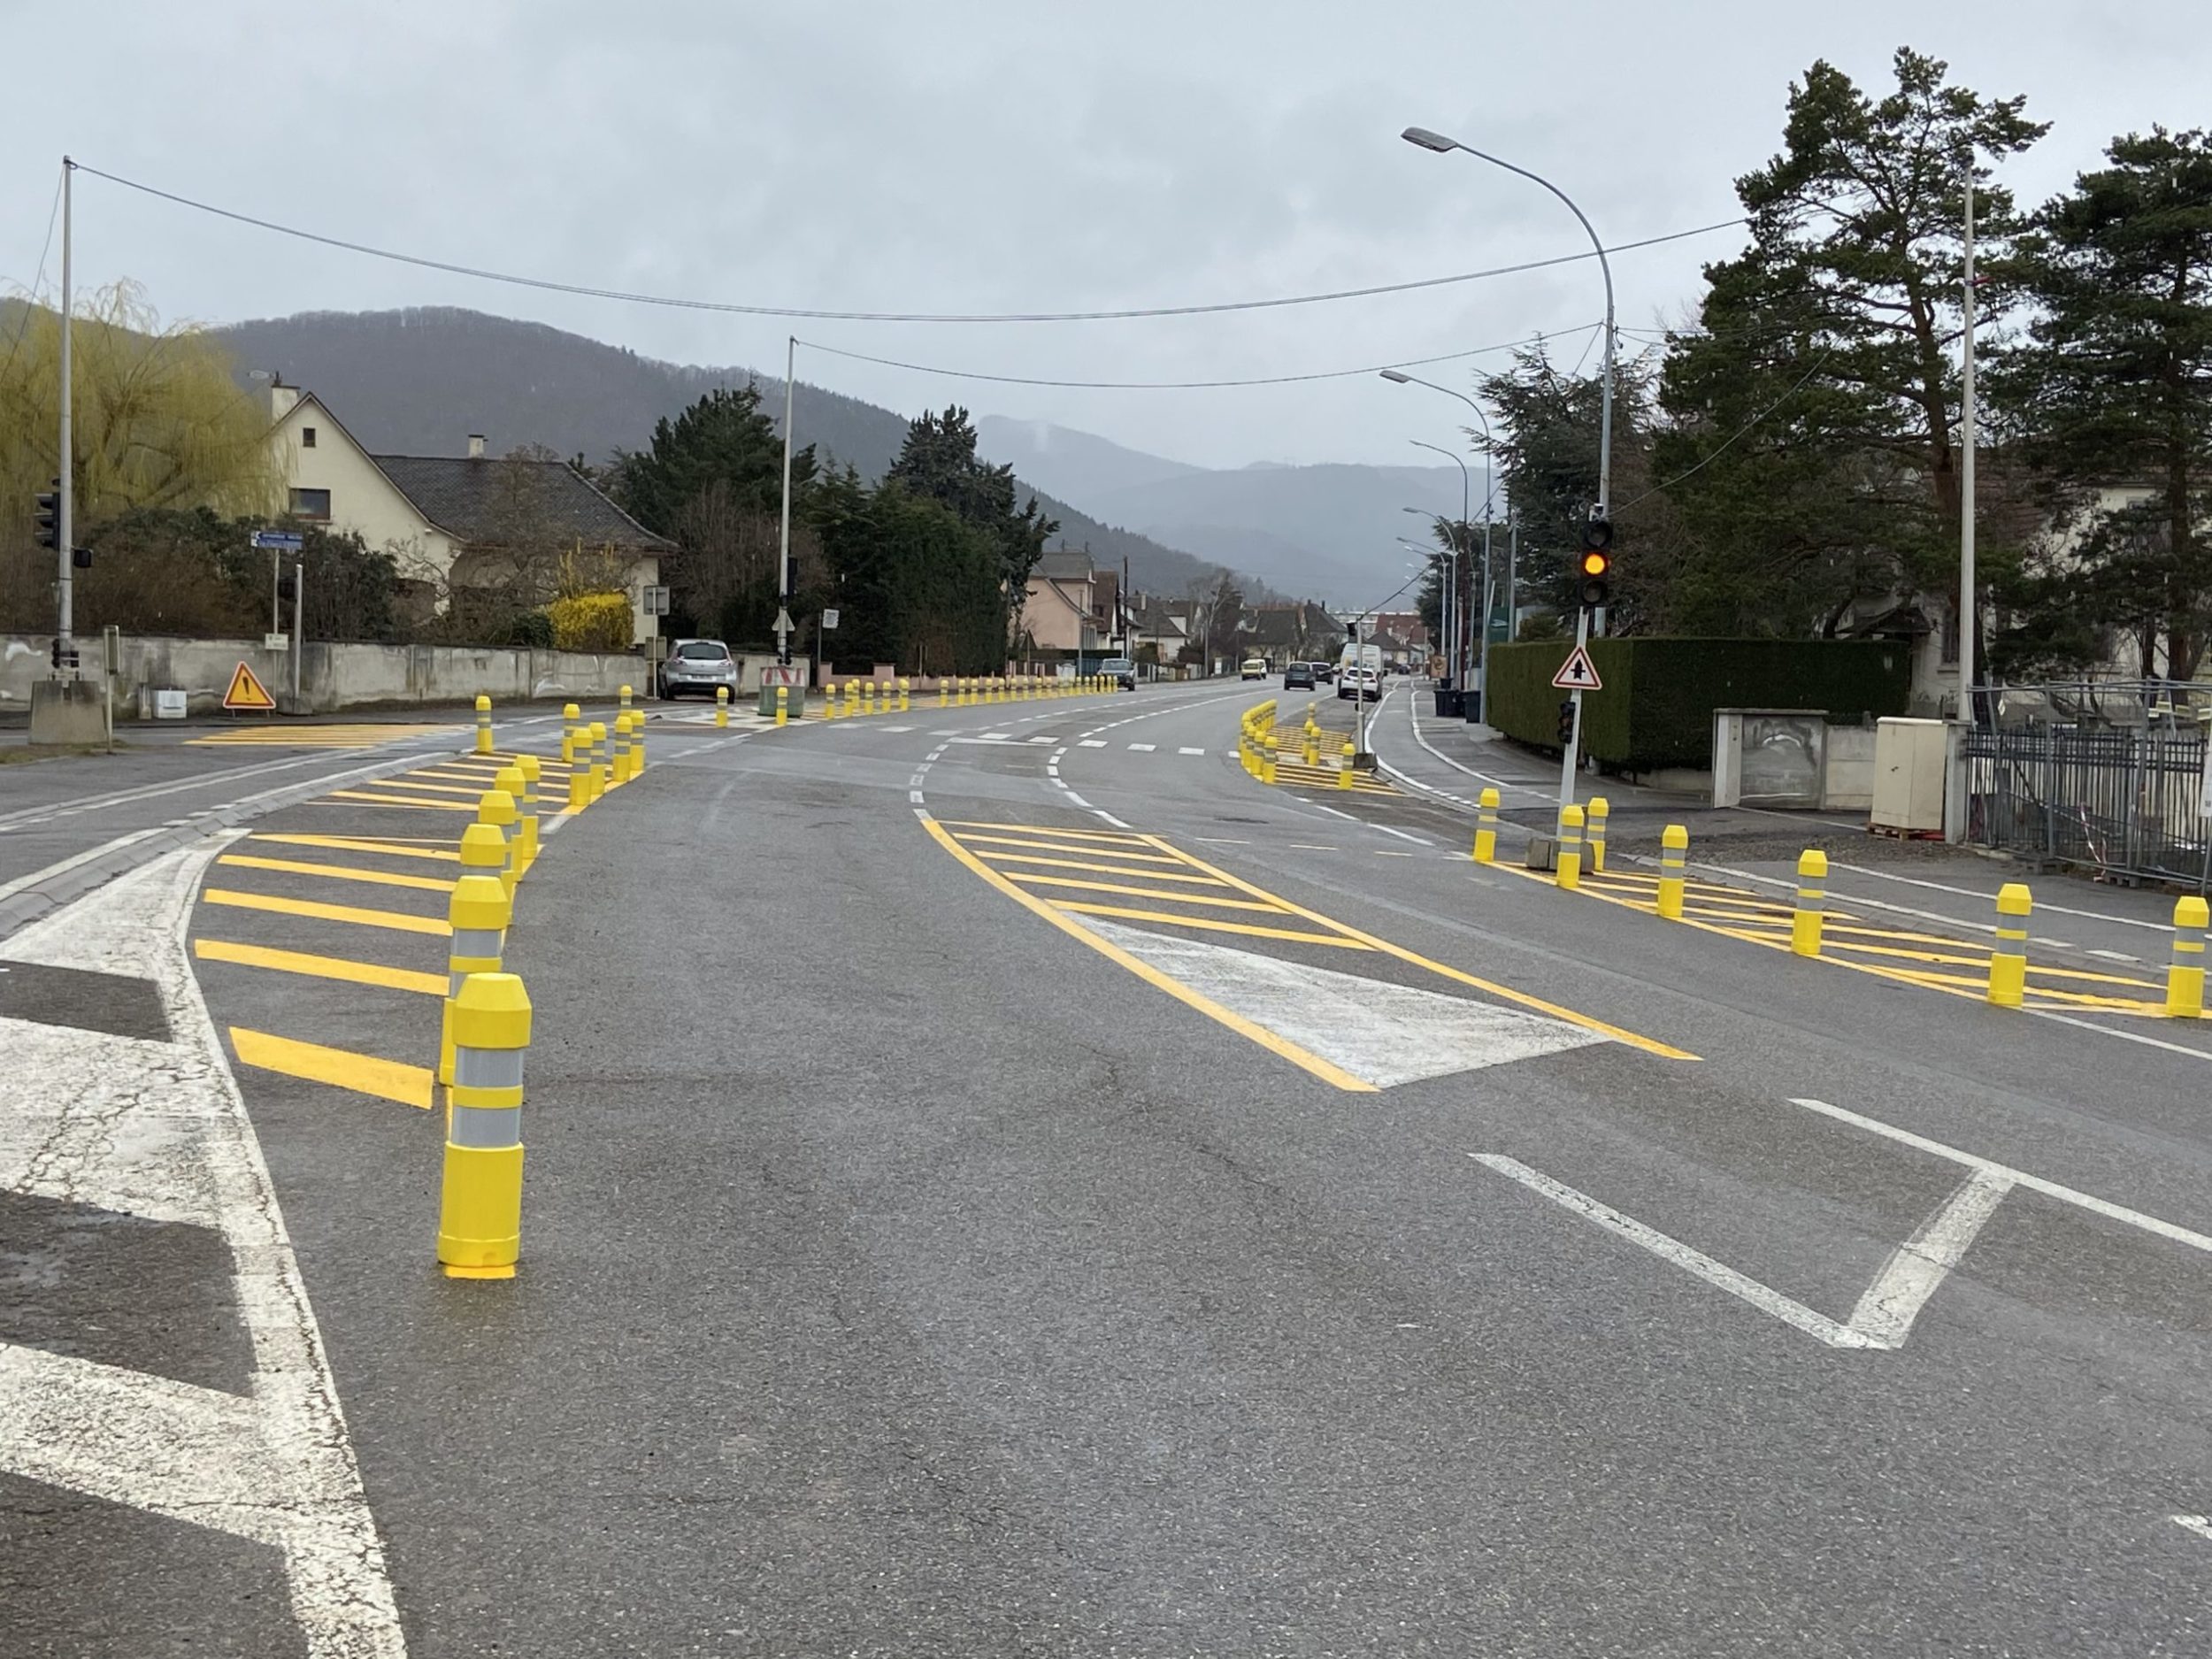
{"x":1657,"y":706}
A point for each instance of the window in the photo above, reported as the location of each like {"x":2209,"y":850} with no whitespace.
{"x":702,"y":651}
{"x":307,"y":437}
{"x":1949,"y":657}
{"x":311,"y":503}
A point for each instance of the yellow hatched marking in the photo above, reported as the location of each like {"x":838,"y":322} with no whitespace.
{"x":1145,"y":893}
{"x":414,"y":781}
{"x":1620,"y":1034}
{"x":341,"y":1068}
{"x":356,"y":844}
{"x":1210,"y":926}
{"x":1040,"y":844}
{"x":1103,"y":870}
{"x":313,"y":736}
{"x":398,"y":921}
{"x":1305,"y":1059}
{"x":415,"y":803}
{"x":1040,"y":829}
{"x":319,"y":967}
{"x":338,"y":872}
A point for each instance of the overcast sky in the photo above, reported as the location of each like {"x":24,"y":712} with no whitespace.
{"x":997,"y":155}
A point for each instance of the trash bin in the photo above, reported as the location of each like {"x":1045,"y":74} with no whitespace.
{"x":1448,"y":702}
{"x":1471,"y":707}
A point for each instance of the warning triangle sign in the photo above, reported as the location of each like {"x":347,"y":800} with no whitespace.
{"x":1578,"y":673}
{"x":246,"y":692}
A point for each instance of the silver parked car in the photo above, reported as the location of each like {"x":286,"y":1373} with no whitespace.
{"x":698,"y":665}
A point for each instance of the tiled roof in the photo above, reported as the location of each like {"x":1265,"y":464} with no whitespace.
{"x":479,"y":500}
{"x":1064,"y":563}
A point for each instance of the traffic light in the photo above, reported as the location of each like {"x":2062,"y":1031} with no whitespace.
{"x":80,"y":557}
{"x":287,"y":588}
{"x":1594,"y":567}
{"x":1566,"y":721}
{"x":49,"y":516}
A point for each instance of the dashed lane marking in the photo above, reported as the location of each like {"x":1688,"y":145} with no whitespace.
{"x":275,"y":904}
{"x":341,"y":1068}
{"x":1190,"y":751}
{"x":319,"y":967}
{"x":337,"y":872}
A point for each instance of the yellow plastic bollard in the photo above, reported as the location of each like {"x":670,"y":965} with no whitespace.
{"x":532,"y":770}
{"x":637,"y":742}
{"x":2184,"y":978}
{"x":1312,"y":748}
{"x":867,"y":697}
{"x":625,"y":699}
{"x":572,"y":720}
{"x":906,"y":687}
{"x":478,"y":913}
{"x":619,"y":761}
{"x":721,"y":707}
{"x":579,"y":787}
{"x":479,"y":1200}
{"x":783,"y":705}
{"x":483,"y":724}
{"x":483,"y":851}
{"x":1812,"y":901}
{"x":597,"y":747}
{"x":1594,"y":838}
{"x":497,"y":808}
{"x":1568,"y":864}
{"x":2009,"y":957}
{"x":1344,"y":765}
{"x":943,"y":701}
{"x":1487,"y":828}
{"x":1674,"y":855}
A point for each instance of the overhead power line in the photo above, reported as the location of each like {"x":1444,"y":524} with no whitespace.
{"x":592,"y":291}
{"x":1183,"y":386}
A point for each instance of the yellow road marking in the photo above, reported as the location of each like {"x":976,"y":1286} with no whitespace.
{"x":338,"y":872}
{"x":1103,"y":870}
{"x":1208,"y":924}
{"x":1038,"y":829}
{"x":398,"y":921}
{"x":363,"y":1073}
{"x":1144,"y":893}
{"x":1040,"y":844}
{"x":319,"y":967}
{"x":1189,"y":997}
{"x":414,"y":781}
{"x":415,"y":802}
{"x":313,"y":736}
{"x":1619,"y":1033}
{"x":356,"y":844}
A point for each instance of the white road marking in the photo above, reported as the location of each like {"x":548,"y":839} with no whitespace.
{"x":158,"y":1128}
{"x":1332,"y":812}
{"x":2200,"y":1525}
{"x":2118,"y":956}
{"x":1143,"y":749}
{"x":1969,"y":893}
{"x":2017,"y":1178}
{"x":1190,"y":751}
{"x":1918,"y":1267}
{"x":1418,"y":841}
{"x":21,"y":883}
{"x":914,"y":797}
{"x":1383,"y":1033}
{"x":1693,"y":1262}
{"x":1091,"y":742}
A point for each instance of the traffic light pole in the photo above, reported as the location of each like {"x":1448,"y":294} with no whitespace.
{"x":1573,"y":752}
{"x":65,"y":596}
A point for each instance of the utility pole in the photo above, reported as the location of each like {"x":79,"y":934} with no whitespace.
{"x":65,"y":522}
{"x":1968,"y":611}
{"x":783,"y":563}
{"x":299,"y":629}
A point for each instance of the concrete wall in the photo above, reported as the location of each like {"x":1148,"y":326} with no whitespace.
{"x":1847,"y":778}
{"x":331,"y":676}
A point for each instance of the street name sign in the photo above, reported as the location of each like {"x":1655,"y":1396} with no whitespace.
{"x":282,"y":541}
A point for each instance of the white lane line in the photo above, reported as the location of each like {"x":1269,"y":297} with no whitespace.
{"x":1218,"y":841}
{"x":1969,"y":893}
{"x":2124,"y":1036}
{"x":1190,"y":751}
{"x":1143,"y":749}
{"x":1916,"y":1271}
{"x":211,"y":779}
{"x":1418,"y":841}
{"x":1693,"y":1262}
{"x":159,"y":1128}
{"x":1091,"y":742}
{"x":2116,"y":956}
{"x":2005,"y":1171}
{"x":914,"y":797}
{"x":1332,"y":812}
{"x":2200,"y":1525}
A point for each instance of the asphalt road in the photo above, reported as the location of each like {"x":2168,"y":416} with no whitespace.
{"x":1003,"y":1180}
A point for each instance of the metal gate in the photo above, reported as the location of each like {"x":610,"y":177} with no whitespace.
{"x":2124,"y":800}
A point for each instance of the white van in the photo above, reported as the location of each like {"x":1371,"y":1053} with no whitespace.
{"x":1359,"y":672}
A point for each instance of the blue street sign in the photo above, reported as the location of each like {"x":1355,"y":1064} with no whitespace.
{"x":282,"y":541}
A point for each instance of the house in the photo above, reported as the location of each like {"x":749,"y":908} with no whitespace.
{"x":1070,"y":606}
{"x":1298,"y":631}
{"x":455,"y":522}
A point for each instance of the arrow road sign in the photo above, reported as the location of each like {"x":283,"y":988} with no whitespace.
{"x":1578,"y":673}
{"x":283,"y":540}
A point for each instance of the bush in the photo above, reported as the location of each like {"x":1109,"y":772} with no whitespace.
{"x":591,"y":622}
{"x":1657,"y":706}
{"x":530,"y":631}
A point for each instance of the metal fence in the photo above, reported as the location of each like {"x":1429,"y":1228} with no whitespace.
{"x":2124,"y":800}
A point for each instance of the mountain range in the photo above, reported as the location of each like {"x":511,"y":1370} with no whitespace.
{"x":420,"y":381}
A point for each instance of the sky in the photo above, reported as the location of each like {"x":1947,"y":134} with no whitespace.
{"x":981,"y":155}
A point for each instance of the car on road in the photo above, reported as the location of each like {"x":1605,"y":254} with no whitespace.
{"x":1255,"y":668}
{"x":1359,"y":682}
{"x":1121,"y":671}
{"x":697,"y":665}
{"x":1299,"y":676}
{"x":1325,"y":672}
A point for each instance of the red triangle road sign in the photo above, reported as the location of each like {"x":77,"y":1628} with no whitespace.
{"x":1578,"y":673}
{"x":247,"y":692}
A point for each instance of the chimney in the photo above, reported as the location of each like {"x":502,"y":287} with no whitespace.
{"x":476,"y":446}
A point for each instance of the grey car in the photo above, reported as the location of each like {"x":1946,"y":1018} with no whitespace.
{"x":698,"y":666}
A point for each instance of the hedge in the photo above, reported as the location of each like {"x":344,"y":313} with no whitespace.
{"x":1657,"y":706}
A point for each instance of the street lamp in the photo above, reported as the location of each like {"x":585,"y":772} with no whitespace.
{"x":1489,"y":512}
{"x":1426,"y":140}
